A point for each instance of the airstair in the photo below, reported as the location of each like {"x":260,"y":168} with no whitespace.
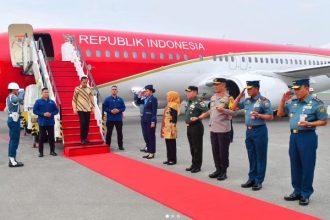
{"x":61,"y":78}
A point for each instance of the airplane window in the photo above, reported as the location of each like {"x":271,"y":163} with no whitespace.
{"x":276,"y":60}
{"x":134,"y":54}
{"x":178,"y":56}
{"x":243,"y":59}
{"x":321,"y":62}
{"x":117,"y":54}
{"x":291,"y":61}
{"x":153,"y":55}
{"x":295,"y":62}
{"x":226,"y":59}
{"x":98,"y":53}
{"x":300,"y":62}
{"x":313,"y":62}
{"x":266,"y":60}
{"x":281,"y":61}
{"x":309,"y":62}
{"x":185,"y":57}
{"x":317,"y":63}
{"x":214,"y":58}
{"x":256,"y":59}
{"x":170,"y":56}
{"x":220,"y":58}
{"x":232,"y":59}
{"x":200,"y":57}
{"x":261,"y":60}
{"x":126,"y":54}
{"x":286,"y":61}
{"x":271,"y":60}
{"x":144,"y":55}
{"x":161,"y":56}
{"x":88,"y":53}
{"x":107,"y":53}
{"x":250,"y":60}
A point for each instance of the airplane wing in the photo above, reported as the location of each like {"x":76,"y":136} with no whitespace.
{"x":306,"y":72}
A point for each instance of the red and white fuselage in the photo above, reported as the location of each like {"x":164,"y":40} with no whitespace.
{"x":133,"y":60}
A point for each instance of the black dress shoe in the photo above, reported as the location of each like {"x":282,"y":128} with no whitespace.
{"x":165,"y":162}
{"x":53,"y":153}
{"x":87,"y":141}
{"x":304,"y":201}
{"x":18,"y":164}
{"x":196,"y":170}
{"x":171,"y":163}
{"x":189,"y":168}
{"x":248,"y":184}
{"x":151,"y":156}
{"x":222,"y":177}
{"x":121,"y":148}
{"x":41,"y":155}
{"x":215,"y":174}
{"x":145,"y":156}
{"x":292,"y":197}
{"x":257,"y":187}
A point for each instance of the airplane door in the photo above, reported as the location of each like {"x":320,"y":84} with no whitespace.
{"x":19,"y":36}
{"x":232,"y":62}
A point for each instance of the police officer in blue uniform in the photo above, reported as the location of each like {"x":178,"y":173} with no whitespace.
{"x":257,"y":111}
{"x":306,"y":113}
{"x":149,"y":120}
{"x":15,"y":97}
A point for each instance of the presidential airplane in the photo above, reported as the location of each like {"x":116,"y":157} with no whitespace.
{"x":132,"y":60}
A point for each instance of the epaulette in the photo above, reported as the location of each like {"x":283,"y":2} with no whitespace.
{"x":263,"y":98}
{"x":317,"y":99}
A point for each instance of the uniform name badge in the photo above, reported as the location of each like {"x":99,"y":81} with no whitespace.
{"x":15,"y":116}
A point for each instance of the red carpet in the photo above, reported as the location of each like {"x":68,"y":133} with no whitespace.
{"x":193,"y":198}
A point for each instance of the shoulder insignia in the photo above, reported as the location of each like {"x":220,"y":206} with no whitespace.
{"x":266,"y":103}
{"x":317,"y":99}
{"x":322,"y":109}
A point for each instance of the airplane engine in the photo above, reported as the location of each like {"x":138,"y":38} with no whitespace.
{"x":270,"y":87}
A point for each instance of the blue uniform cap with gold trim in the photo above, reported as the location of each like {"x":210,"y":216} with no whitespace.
{"x":251,"y":84}
{"x":298,"y":83}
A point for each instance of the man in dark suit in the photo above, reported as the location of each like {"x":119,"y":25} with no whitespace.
{"x":149,"y":120}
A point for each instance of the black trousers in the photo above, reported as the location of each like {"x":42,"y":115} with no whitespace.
{"x":119,"y":129}
{"x":84,"y":124}
{"x":171,"y":149}
{"x":44,"y":132}
{"x":220,"y":148}
{"x":195,"y":132}
{"x":144,"y":133}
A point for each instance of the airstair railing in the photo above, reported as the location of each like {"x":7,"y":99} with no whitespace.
{"x":86,"y":68}
{"x":40,"y":46}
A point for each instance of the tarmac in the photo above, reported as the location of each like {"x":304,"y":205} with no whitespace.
{"x":58,"y":188}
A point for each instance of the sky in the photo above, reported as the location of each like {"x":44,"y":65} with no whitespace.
{"x":297,"y":22}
